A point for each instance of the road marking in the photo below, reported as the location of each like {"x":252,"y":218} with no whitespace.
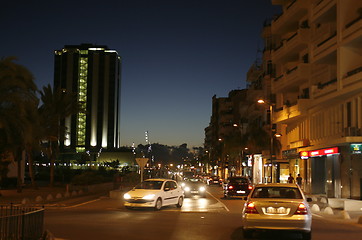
{"x":84,"y":203}
{"x":226,"y":208}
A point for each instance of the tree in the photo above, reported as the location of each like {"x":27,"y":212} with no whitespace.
{"x":57,"y":104}
{"x":17,"y":103}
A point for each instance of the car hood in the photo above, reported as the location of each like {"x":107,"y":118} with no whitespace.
{"x":139,"y":193}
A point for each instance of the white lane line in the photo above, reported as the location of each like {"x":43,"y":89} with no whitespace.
{"x":226,"y":208}
{"x":84,"y":203}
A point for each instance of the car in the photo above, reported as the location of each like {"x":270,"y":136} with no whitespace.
{"x":214,"y":180}
{"x":194,"y":186}
{"x":277,"y":206}
{"x":237,"y":186}
{"x":154,"y":193}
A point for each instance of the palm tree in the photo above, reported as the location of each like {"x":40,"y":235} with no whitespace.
{"x":57,"y":104}
{"x":17,"y":101}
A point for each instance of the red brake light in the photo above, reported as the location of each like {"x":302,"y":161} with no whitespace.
{"x":301,"y":210}
{"x":231,"y":187}
{"x":250,"y":187}
{"x":250,"y":208}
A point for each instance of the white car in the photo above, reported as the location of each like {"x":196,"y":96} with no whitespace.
{"x":155,"y":193}
{"x":277,"y":206}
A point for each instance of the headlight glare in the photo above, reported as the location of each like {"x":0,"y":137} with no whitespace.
{"x":202,"y":189}
{"x":149,"y":196}
{"x":187,"y":189}
{"x":127,"y":196}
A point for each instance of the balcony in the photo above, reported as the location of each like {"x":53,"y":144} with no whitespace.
{"x":325,"y":45}
{"x":292,"y":113}
{"x":321,"y":7}
{"x":289,"y":20}
{"x":324,"y":89}
{"x":353,"y":76}
{"x":290,"y":47}
{"x":292,"y":77}
{"x":353,"y":29}
{"x":352,"y":132}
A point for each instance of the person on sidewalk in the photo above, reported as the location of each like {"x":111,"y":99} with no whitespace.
{"x":290,"y":178}
{"x":299,"y":180}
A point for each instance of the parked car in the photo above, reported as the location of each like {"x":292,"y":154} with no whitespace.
{"x":277,"y":206}
{"x":154,"y":193}
{"x":237,"y":186}
{"x":214,"y":180}
{"x":194,"y":186}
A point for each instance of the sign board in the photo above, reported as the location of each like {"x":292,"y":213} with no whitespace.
{"x":142,"y":163}
{"x":318,"y":153}
{"x":356,"y":148}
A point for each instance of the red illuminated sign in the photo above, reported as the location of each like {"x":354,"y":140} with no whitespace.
{"x":320,"y":152}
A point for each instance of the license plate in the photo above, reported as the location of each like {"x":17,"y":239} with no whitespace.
{"x":240,"y":191}
{"x":194,"y":191}
{"x":280,"y":210}
{"x":216,"y":181}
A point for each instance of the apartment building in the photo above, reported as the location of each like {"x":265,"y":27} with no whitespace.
{"x":316,"y":57}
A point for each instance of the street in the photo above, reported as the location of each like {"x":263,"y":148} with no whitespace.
{"x":199,"y":219}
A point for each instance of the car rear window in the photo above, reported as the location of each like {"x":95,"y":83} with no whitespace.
{"x":277,"y":192}
{"x":239,"y":180}
{"x":150,"y":185}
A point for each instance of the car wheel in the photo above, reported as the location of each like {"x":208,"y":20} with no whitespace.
{"x":247,"y":233}
{"x":180,"y":202}
{"x":158,"y":204}
{"x":307,"y":235}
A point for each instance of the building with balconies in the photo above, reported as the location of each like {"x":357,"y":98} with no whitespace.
{"x":317,"y":57}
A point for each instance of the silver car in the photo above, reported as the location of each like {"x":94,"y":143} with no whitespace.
{"x":277,"y":206}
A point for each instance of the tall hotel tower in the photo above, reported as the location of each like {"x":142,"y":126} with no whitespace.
{"x":93,"y":72}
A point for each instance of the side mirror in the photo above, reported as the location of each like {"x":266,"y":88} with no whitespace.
{"x":309,"y":199}
{"x":167,"y":189}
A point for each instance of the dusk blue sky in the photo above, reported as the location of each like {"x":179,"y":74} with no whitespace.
{"x":176,"y":54}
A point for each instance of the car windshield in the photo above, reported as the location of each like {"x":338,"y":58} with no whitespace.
{"x":150,"y":185}
{"x":277,"y":192}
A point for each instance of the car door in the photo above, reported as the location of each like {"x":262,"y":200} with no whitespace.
{"x":170,"y":193}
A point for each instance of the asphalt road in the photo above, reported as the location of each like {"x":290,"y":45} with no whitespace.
{"x":199,"y":219}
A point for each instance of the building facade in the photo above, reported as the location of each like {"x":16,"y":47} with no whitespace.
{"x":93,"y":72}
{"x":317,"y":57}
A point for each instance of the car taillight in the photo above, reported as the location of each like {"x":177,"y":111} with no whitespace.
{"x":301,"y":210}
{"x":250,"y":187}
{"x":231,"y":187}
{"x":250,"y":208}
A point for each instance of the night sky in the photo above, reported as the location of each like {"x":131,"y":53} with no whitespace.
{"x":176,"y":54}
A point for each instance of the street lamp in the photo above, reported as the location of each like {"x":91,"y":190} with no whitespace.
{"x":262,"y":101}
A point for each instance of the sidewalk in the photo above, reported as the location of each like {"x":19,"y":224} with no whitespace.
{"x":338,"y":209}
{"x":46,"y":196}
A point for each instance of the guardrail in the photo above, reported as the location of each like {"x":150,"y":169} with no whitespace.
{"x":21,"y":223}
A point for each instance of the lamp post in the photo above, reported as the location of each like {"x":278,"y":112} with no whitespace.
{"x":261,"y":101}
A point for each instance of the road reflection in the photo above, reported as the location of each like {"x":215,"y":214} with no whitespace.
{"x":195,"y":204}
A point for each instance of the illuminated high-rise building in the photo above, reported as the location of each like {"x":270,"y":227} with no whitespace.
{"x":93,"y":72}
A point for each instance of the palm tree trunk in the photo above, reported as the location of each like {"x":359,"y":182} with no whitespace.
{"x":31,"y":172}
{"x":18,"y":159}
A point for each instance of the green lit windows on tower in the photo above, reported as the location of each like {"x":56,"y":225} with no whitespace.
{"x":82,"y":100}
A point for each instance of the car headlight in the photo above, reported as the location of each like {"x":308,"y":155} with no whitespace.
{"x":183,"y":184}
{"x":149,"y":197}
{"x":127,"y":196}
{"x":187,"y":189}
{"x":201,"y":189}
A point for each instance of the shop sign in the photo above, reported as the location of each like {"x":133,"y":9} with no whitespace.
{"x":317,"y":153}
{"x":356,"y":148}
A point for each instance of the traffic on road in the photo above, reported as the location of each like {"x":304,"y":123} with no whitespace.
{"x":200,"y":217}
